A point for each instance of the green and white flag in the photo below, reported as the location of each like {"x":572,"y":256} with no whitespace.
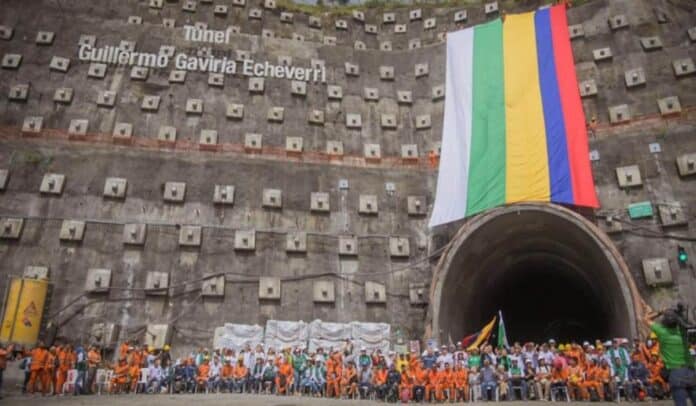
{"x":502,"y":336}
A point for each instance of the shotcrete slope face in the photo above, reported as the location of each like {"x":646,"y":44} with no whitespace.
{"x":548,"y":273}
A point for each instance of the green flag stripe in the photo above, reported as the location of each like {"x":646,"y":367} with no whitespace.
{"x":486,"y":186}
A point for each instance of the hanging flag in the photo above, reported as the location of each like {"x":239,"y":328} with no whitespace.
{"x":513,"y":129}
{"x":502,"y":335}
{"x":480,"y":337}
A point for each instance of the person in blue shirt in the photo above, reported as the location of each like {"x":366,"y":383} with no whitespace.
{"x":489,"y":380}
{"x":428,"y":359}
{"x":365,"y":381}
{"x":179,"y":379}
{"x":393,"y":381}
{"x":190,"y":373}
{"x":638,"y":376}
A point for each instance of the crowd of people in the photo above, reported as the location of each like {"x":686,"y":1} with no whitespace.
{"x":529,"y":371}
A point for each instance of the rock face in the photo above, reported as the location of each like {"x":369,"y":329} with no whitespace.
{"x":246,"y":140}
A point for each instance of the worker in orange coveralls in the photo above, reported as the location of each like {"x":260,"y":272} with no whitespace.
{"x":284,"y":378}
{"x":39,"y":374}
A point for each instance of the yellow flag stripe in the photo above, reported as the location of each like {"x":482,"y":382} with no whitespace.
{"x":527,"y":172}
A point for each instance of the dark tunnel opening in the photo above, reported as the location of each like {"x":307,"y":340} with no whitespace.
{"x":547,"y":273}
{"x":540,"y":300}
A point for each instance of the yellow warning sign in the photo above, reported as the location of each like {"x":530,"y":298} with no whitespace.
{"x":29,"y":313}
{"x":23,"y":311}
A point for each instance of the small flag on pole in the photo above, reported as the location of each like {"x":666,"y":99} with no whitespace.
{"x":502,"y":336}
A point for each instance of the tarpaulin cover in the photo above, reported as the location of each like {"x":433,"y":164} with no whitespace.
{"x":328,"y":335}
{"x":236,"y":336}
{"x":372,"y":336}
{"x":282,"y":334}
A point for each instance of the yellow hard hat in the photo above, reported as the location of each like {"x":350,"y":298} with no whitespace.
{"x":166,"y":347}
{"x":653,"y":335}
{"x":561,"y":347}
{"x":150,"y":348}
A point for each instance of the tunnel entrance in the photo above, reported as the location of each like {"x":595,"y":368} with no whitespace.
{"x":551,"y":272}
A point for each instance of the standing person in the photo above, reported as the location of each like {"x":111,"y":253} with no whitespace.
{"x":299,"y":365}
{"x":428,"y":359}
{"x":674,"y":351}
{"x":3,"y":363}
{"x":165,"y":357}
{"x":66,"y":362}
{"x":25,"y":365}
{"x":39,"y":356}
{"x":444,"y":358}
{"x":50,"y":368}
{"x":93,"y":361}
{"x":474,"y":360}
{"x":81,"y":366}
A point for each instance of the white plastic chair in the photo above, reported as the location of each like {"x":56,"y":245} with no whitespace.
{"x":621,"y":387}
{"x":103,"y":380}
{"x":142,"y":381}
{"x":484,"y":395}
{"x":70,"y":382}
{"x":472,"y":393}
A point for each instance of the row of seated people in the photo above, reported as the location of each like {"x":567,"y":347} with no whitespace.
{"x":530,"y":371}
{"x":592,"y":379}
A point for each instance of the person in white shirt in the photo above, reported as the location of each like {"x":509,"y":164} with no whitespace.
{"x":260,"y":353}
{"x":546,"y":354}
{"x":248,"y":357}
{"x":150,"y":357}
{"x":445,"y":357}
{"x":389,"y":360}
{"x":529,"y":353}
{"x":516,"y":356}
{"x":214,"y":374}
{"x":155,"y":375}
{"x":461,"y":360}
{"x":459,"y":353}
{"x":488,"y":354}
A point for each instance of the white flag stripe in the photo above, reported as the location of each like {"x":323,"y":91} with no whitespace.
{"x":452,"y":180}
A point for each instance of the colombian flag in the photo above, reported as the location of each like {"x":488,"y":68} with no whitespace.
{"x":475,"y":340}
{"x":514,"y":129}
